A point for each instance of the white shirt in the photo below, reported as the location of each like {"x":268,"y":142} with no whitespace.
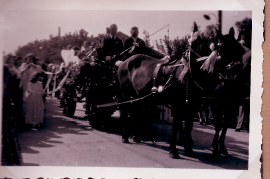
{"x":135,"y":39}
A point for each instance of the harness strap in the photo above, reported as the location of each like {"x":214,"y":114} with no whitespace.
{"x":157,"y":68}
{"x":187,"y":93}
{"x":177,"y":65}
{"x":115,"y":104}
{"x":195,"y":52}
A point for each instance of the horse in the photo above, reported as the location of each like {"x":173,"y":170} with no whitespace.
{"x":227,"y":86}
{"x":137,"y":77}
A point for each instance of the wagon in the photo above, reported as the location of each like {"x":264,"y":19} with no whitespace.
{"x":94,"y":85}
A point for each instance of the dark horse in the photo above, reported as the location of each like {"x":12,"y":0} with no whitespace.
{"x":136,"y":76}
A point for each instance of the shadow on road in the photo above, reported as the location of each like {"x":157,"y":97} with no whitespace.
{"x":49,"y":134}
{"x":156,"y":136}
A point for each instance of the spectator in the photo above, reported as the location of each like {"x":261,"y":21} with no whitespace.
{"x":35,"y":106}
{"x":28,"y":70}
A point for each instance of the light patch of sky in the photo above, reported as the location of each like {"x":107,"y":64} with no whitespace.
{"x":23,"y":26}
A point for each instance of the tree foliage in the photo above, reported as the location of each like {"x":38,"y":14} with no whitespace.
{"x":49,"y":50}
{"x":245,"y":28}
{"x":173,"y":48}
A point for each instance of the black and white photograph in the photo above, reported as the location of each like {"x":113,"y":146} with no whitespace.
{"x":151,"y":89}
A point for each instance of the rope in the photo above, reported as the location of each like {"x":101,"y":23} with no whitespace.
{"x":48,"y":82}
{"x":125,"y":102}
{"x":60,"y":84}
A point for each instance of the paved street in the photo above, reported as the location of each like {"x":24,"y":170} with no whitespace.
{"x":65,"y":141}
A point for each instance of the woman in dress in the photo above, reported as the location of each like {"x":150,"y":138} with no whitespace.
{"x":34,"y":101}
{"x":28,"y":70}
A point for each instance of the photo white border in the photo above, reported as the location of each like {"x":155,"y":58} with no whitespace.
{"x":255,"y":138}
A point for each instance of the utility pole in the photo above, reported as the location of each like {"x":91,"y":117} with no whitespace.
{"x":59,"y":31}
{"x":220,"y":20}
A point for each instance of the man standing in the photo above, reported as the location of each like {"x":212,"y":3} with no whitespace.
{"x":134,"y":44}
{"x":112,"y":46}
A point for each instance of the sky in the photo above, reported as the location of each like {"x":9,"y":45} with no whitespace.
{"x":22,"y":25}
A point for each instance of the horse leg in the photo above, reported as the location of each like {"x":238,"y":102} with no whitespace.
{"x":187,"y":131}
{"x":200,"y":114}
{"x":88,"y":110}
{"x":124,"y":120}
{"x":222,"y":148}
{"x":125,"y":124}
{"x":218,"y":124}
{"x":177,"y":122}
{"x":136,"y":122}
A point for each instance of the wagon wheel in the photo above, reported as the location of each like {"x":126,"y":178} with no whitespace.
{"x":98,"y":118}
{"x":101,"y":91}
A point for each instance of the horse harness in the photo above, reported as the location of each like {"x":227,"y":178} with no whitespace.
{"x":160,"y":67}
{"x":171,"y":80}
{"x":222,"y":77}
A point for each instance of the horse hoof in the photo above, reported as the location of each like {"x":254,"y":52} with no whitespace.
{"x":125,"y":140}
{"x":137,"y":139}
{"x":223,"y":151}
{"x":174,"y":154}
{"x":189,"y":153}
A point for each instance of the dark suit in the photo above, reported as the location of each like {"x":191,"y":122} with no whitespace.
{"x":111,"y":47}
{"x":138,"y":50}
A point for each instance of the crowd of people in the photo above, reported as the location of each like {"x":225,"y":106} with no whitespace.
{"x":23,"y":102}
{"x":24,"y":80}
{"x":24,"y":89}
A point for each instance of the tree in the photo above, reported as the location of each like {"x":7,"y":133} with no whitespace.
{"x":209,"y":33}
{"x":245,"y":29}
{"x":49,"y":50}
{"x":173,"y":48}
{"x":149,"y":48}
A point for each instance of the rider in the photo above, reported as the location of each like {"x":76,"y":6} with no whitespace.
{"x":134,"y":43}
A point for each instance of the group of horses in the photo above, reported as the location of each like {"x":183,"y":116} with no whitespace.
{"x":228,"y":84}
{"x":186,"y":88}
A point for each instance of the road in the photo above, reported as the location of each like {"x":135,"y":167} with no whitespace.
{"x":64,"y":141}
